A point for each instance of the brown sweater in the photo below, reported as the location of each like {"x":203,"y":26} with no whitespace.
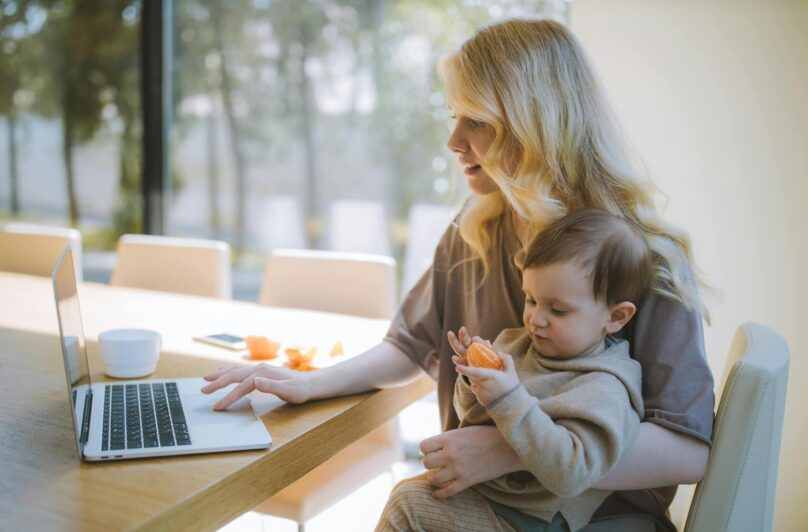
{"x":568,"y":420}
{"x":666,"y":338}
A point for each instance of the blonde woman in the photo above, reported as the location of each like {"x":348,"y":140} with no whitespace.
{"x":536,"y":139}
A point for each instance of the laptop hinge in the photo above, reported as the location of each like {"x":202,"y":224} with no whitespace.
{"x":85,"y":419}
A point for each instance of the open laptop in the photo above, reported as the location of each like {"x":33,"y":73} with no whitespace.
{"x":138,"y":419}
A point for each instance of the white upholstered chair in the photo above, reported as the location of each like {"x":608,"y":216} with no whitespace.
{"x":182,"y":265}
{"x":34,"y":249}
{"x":348,"y":283}
{"x":738,"y":489}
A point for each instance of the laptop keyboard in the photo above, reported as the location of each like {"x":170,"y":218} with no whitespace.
{"x":139,"y":416}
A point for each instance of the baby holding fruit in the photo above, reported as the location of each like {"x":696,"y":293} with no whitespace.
{"x":561,"y":390}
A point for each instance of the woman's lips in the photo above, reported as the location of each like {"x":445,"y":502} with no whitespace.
{"x":472,"y":170}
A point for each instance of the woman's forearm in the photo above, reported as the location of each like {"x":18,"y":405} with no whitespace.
{"x":659,"y":457}
{"x":382,"y":366}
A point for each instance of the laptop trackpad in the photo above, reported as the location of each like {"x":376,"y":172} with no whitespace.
{"x":199,"y":410}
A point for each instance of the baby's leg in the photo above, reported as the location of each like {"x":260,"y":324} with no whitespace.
{"x":411,"y":506}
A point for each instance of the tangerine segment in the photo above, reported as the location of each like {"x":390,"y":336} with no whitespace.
{"x":480,"y":355}
{"x":262,"y":348}
{"x":337,"y":350}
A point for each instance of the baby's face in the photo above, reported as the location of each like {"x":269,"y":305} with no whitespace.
{"x":561,"y":314}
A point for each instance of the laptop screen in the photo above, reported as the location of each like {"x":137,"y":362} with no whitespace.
{"x":72,"y":336}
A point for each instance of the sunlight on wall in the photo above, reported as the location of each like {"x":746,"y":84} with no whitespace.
{"x":713,"y":99}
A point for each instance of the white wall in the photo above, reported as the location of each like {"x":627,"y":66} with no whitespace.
{"x":714,"y":96}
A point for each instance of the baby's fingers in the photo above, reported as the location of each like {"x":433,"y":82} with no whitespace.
{"x":465,"y":337}
{"x":456,"y":345}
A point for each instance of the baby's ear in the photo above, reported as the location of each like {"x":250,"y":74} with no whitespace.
{"x":620,"y":314}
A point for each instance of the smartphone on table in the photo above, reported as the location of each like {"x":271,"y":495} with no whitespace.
{"x":225,"y":340}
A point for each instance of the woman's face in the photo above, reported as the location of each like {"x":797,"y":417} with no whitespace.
{"x":470,"y":140}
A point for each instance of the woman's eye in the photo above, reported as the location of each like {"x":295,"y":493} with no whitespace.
{"x":452,"y":115}
{"x":474,"y":124}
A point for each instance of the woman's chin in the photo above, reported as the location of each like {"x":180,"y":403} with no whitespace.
{"x":481,"y":184}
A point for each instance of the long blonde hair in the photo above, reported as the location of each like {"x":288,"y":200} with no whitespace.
{"x":531,"y":81}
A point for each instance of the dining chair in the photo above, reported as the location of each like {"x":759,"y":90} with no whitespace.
{"x":348,"y":283}
{"x":737,"y":492}
{"x":181,"y":265}
{"x":34,"y":249}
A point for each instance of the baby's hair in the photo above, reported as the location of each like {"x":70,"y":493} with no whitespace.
{"x":616,"y":254}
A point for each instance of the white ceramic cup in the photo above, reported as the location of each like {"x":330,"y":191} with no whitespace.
{"x":129,"y":353}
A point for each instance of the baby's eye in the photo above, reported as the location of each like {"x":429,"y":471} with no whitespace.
{"x":529,"y":301}
{"x":558,"y":312}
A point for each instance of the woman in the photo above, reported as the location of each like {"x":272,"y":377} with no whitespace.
{"x":536,"y":139}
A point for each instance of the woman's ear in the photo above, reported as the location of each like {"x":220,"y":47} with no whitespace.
{"x":619,"y":315}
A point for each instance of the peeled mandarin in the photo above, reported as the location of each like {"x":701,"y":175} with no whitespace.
{"x":261,"y":347}
{"x":480,"y":355}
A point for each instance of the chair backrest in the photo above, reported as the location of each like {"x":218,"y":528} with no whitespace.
{"x":183,"y":265}
{"x":348,"y":283}
{"x":738,"y":488}
{"x":34,"y":249}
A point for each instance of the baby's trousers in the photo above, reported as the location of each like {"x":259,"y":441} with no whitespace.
{"x":411,"y":506}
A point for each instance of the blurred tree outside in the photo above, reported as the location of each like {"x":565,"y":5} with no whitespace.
{"x":309,"y":99}
{"x":324,"y":99}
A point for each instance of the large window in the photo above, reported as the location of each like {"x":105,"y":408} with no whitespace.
{"x":70,"y":107}
{"x":295,"y":123}
{"x":315,"y":123}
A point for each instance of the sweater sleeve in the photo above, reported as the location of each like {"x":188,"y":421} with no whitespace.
{"x":571,"y":440}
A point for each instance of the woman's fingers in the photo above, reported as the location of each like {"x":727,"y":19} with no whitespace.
{"x":246,"y":386}
{"x":213,"y":375}
{"x":233,"y":374}
{"x":432,"y":444}
{"x":440,"y":477}
{"x":433,"y":460}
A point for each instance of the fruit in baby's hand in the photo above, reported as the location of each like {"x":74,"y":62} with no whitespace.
{"x":481,"y":355}
{"x":262,"y":348}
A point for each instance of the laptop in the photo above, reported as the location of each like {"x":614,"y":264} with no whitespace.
{"x":142,"y":418}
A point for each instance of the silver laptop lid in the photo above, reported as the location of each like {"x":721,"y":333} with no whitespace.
{"x":72,"y":340}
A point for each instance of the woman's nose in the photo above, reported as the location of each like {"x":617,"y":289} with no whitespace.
{"x":457,"y":142}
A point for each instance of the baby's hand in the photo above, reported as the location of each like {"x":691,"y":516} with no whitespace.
{"x":491,"y":384}
{"x":460,"y":343}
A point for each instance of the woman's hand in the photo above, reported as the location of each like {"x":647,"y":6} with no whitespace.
{"x":460,"y":458}
{"x":291,"y":386}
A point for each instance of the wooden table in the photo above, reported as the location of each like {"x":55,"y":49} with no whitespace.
{"x":44,"y":484}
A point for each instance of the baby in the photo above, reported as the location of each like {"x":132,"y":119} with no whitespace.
{"x":568,"y":397}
